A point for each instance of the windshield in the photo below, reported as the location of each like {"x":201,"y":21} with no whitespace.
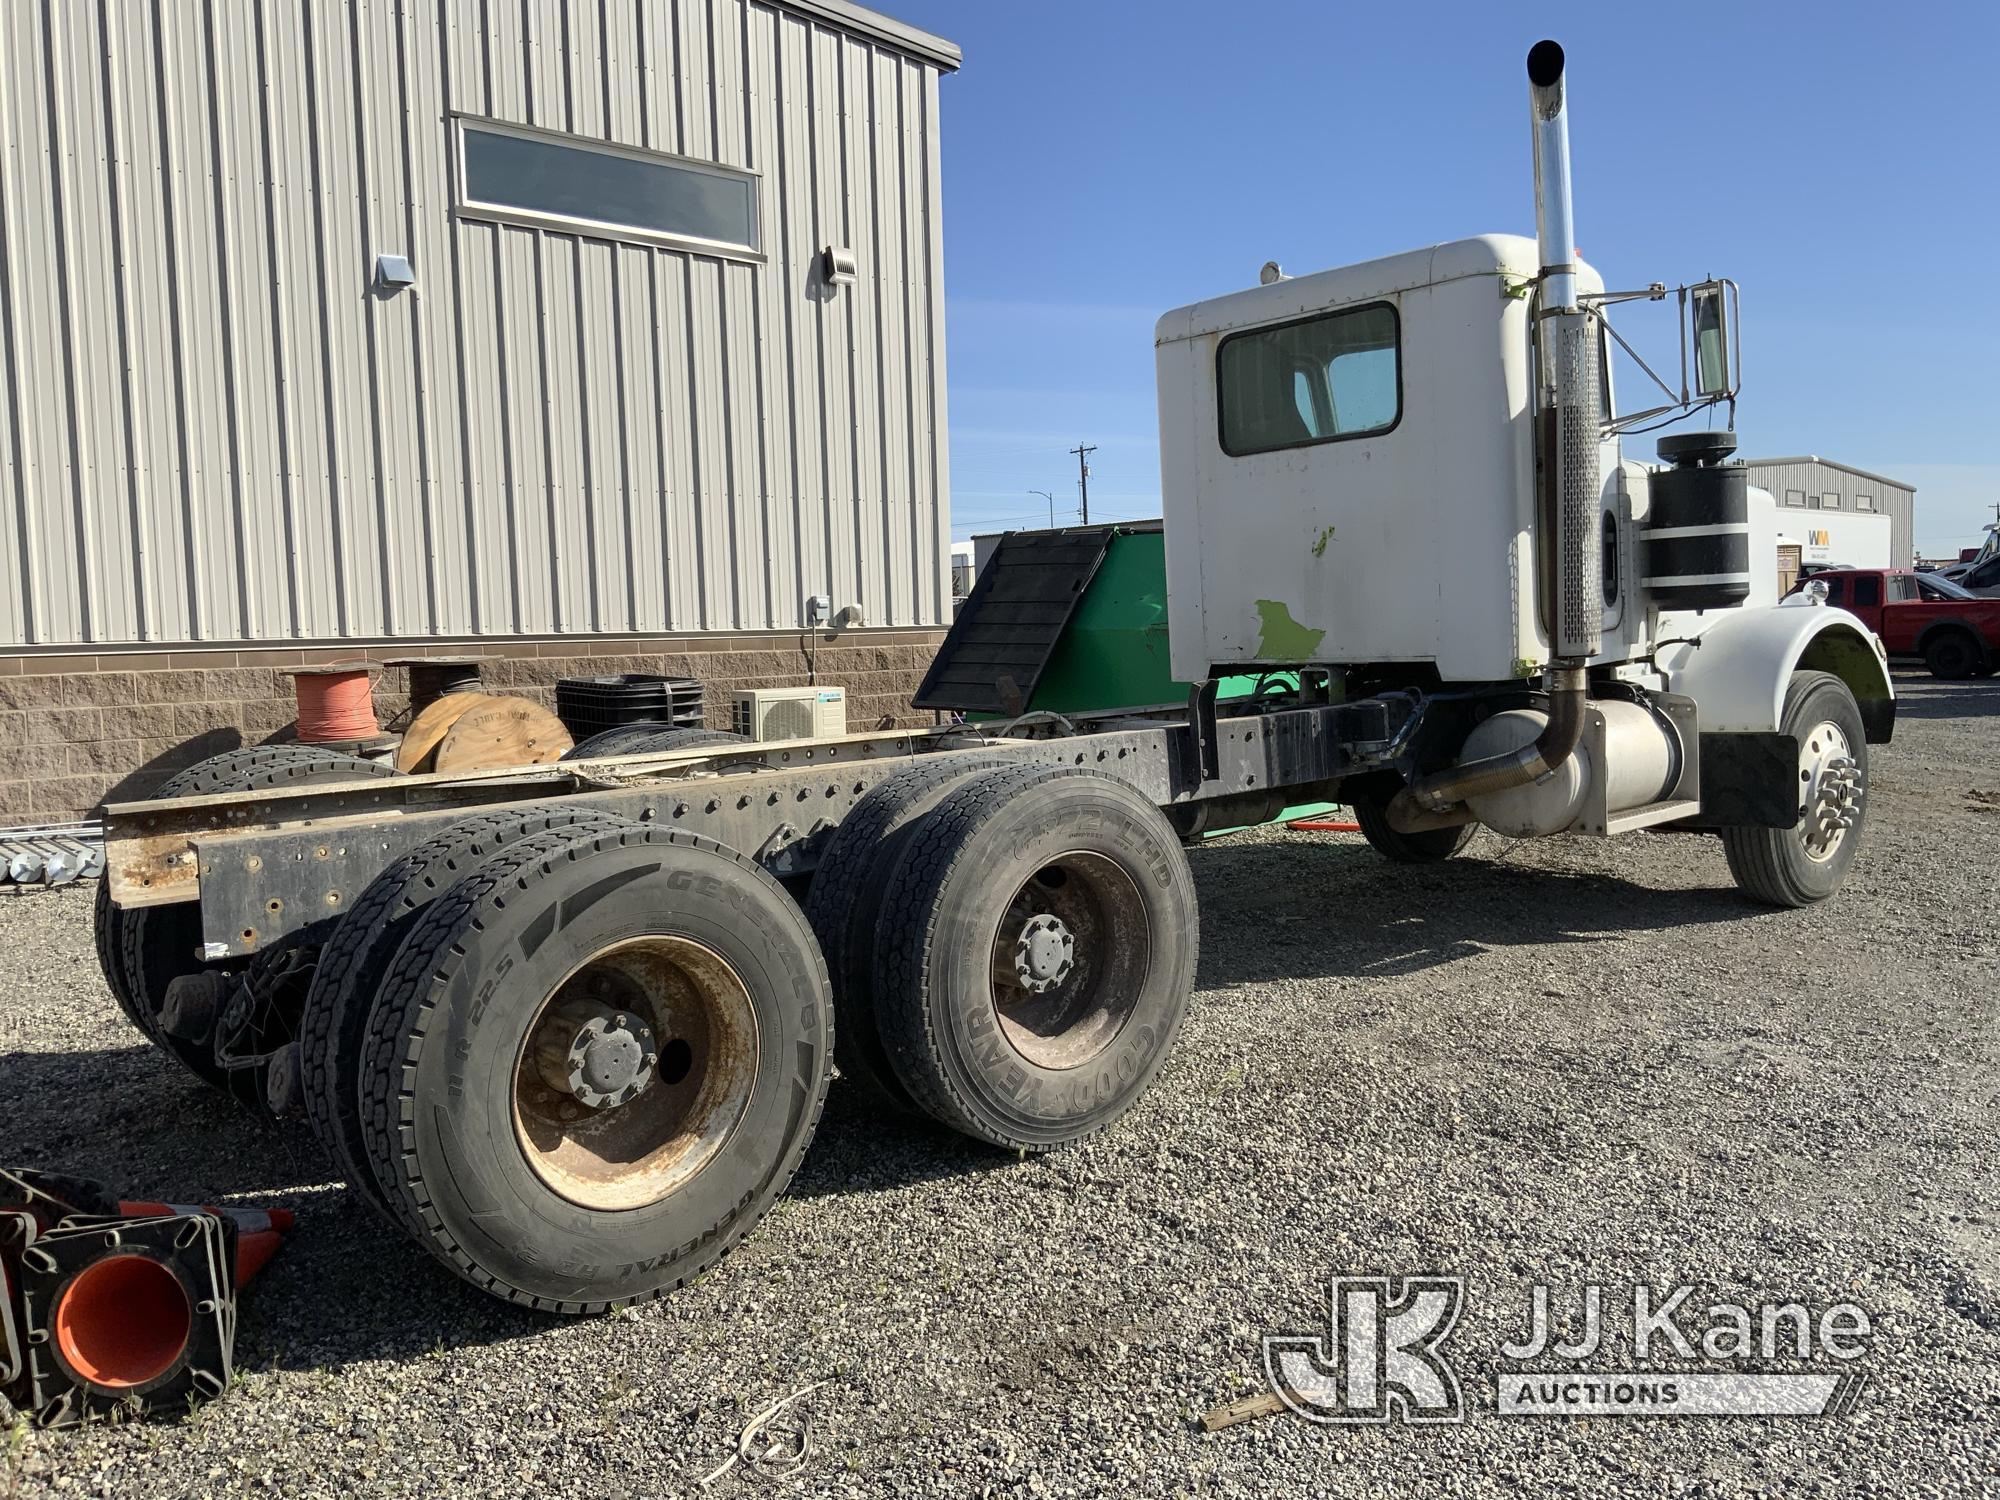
{"x":1942,"y":588}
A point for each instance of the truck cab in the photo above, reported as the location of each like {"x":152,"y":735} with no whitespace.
{"x":1408,"y":476}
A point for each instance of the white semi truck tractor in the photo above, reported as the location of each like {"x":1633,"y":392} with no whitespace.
{"x":570,"y":1026}
{"x":1409,"y":473}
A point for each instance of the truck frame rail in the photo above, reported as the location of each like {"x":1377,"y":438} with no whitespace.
{"x":265,"y":865}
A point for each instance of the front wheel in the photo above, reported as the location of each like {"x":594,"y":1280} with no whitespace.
{"x":1426,"y":847}
{"x":1806,"y":863}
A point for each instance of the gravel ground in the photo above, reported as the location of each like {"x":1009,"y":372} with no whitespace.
{"x":1563,"y":1062}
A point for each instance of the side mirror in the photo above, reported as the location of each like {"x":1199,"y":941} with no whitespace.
{"x":1714,"y":343}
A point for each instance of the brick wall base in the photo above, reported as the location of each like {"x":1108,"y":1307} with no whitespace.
{"x":79,"y":731}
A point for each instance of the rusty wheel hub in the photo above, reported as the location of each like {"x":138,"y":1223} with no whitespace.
{"x":634,"y":1072}
{"x":1069,"y":955}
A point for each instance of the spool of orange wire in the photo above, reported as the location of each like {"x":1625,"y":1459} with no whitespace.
{"x":336,"y":703}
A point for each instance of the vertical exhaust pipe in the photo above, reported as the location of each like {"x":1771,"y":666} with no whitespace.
{"x":1569,"y":376}
{"x":1567,"y":390}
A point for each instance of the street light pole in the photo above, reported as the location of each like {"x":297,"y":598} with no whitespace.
{"x":1052,"y":505}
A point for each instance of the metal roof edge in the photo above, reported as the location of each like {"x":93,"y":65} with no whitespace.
{"x":872,"y":23}
{"x":1814,"y":458}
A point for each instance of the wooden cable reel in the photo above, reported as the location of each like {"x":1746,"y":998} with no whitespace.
{"x":481,"y":732}
{"x":502,"y":732}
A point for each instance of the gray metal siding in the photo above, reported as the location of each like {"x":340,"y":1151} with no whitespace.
{"x":212,"y":430}
{"x":1814,"y":480}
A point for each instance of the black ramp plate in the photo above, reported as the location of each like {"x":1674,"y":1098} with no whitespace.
{"x":1018,"y":609}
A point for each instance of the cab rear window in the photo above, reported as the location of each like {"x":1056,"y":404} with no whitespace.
{"x":1318,"y":380}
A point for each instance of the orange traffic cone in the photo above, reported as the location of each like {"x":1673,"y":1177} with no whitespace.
{"x":260,"y":1232}
{"x":123,"y":1321}
{"x":124,"y":1312}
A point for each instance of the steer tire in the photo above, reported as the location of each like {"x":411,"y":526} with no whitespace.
{"x":1954,"y":655}
{"x":644,"y":739}
{"x":156,"y":945}
{"x":1002,"y":855}
{"x":1426,"y":847}
{"x":1775,"y":866}
{"x":354,"y":959}
{"x":844,"y":906}
{"x":447,"y":1086}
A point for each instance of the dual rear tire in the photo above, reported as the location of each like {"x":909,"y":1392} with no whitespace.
{"x":144,"y":950}
{"x":1015,"y":950}
{"x":594,"y":1063}
{"x":577,"y":1058}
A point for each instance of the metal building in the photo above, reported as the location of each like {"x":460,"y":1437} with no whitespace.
{"x":1813,"y":483}
{"x":380,"y":319}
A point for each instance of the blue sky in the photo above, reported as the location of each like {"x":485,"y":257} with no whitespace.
{"x":1105,"y":162}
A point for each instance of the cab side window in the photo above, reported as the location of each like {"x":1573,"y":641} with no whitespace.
{"x":1315,"y":381}
{"x":1868,"y":591}
{"x":1836,"y":588}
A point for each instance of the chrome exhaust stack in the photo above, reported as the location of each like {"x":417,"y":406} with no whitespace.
{"x":1567,"y":387}
{"x":1569,"y":378}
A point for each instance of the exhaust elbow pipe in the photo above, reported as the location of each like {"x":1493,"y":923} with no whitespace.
{"x":1437,"y":800}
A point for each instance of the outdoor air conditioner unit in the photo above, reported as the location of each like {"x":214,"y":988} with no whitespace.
{"x":793,"y":713}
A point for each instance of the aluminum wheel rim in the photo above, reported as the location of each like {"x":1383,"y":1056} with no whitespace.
{"x":696,"y":1012}
{"x":1830,"y":790}
{"x":1071,"y":950}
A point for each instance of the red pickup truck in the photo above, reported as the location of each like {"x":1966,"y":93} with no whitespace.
{"x":1956,"y":634}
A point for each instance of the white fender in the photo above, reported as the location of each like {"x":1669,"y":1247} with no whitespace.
{"x":1738,"y":663}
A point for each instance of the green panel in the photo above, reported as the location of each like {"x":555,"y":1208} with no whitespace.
{"x":1114,"y":654}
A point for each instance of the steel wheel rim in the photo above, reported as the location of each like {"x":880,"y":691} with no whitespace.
{"x":1069,"y":954}
{"x":642,"y":1138}
{"x":1830,"y":790}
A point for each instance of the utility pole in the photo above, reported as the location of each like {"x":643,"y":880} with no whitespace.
{"x":1083,"y":453}
{"x":1052,"y":505}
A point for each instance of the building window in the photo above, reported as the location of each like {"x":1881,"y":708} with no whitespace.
{"x":1795,"y":498}
{"x":1864,"y":502}
{"x":1315,"y":381}
{"x":594,"y":188}
{"x":1830,"y":500}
